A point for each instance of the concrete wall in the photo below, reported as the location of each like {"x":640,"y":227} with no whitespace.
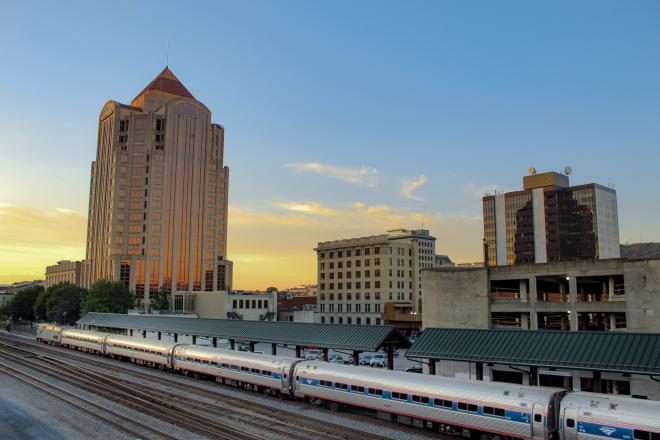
{"x":455,"y":298}
{"x":212,"y":305}
{"x":642,"y":284}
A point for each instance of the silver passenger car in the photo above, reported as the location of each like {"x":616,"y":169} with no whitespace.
{"x":141,"y":350}
{"x":83,"y":340}
{"x":590,"y":416}
{"x":49,"y":333}
{"x":273,"y":372}
{"x":504,"y":409}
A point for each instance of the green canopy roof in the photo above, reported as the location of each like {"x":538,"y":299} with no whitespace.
{"x":347,"y":337}
{"x":622,"y":352}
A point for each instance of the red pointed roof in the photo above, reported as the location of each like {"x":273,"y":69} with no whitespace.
{"x":166,"y":82}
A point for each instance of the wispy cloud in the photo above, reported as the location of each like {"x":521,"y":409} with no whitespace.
{"x":408,"y":187}
{"x":357,"y":209}
{"x":357,"y":176}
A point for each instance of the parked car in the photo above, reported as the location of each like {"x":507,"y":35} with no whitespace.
{"x":338,"y":359}
{"x":313,"y":355}
{"x":365,"y":359}
{"x":378,"y":360}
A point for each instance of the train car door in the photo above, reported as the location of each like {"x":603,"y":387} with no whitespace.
{"x":538,"y":422}
{"x":569,"y":424}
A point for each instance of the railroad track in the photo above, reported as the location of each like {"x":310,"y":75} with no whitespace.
{"x":132,"y":397}
{"x":274,"y":420}
{"x":113,"y":419}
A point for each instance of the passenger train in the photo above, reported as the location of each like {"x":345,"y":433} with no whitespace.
{"x":466,"y":408}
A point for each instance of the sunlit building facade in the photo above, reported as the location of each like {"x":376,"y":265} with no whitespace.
{"x":550,"y":221}
{"x":158,"y":195}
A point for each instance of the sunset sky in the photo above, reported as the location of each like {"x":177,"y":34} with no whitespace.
{"x":342,"y":119}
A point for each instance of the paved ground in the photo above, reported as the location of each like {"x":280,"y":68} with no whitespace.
{"x":19,"y":423}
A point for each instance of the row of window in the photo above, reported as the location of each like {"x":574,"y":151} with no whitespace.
{"x":225,"y":366}
{"x":424,"y":400}
{"x":82,"y":339}
{"x":250,"y":304}
{"x":349,"y":253}
{"x":367,"y":285}
{"x":140,"y":350}
{"x":367,"y":296}
{"x":349,"y":308}
{"x":349,"y":320}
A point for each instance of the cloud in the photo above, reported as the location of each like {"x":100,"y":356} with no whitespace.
{"x":408,"y":187}
{"x":357,"y":209}
{"x":357,"y":176}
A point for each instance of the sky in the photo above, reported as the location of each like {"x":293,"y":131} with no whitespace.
{"x":343,"y":119}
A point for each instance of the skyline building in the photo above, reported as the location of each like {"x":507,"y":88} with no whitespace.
{"x":550,"y":221}
{"x":359,"y":278}
{"x":158,"y":196}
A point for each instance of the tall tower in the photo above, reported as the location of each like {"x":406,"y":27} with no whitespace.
{"x":158,"y":196}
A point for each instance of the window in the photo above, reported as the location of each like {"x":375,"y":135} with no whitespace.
{"x":399,"y":396}
{"x":357,"y":389}
{"x":467,"y":407}
{"x":443,"y":403}
{"x":341,"y":386}
{"x":494,"y":411}
{"x":375,"y":392}
{"x":570,"y":423}
{"x":538,"y":418}
{"x":420,"y":399}
{"x":645,"y":435}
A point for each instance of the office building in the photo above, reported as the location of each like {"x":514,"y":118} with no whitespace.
{"x":64,"y":271}
{"x":158,"y":196}
{"x":550,"y":221}
{"x":357,"y":277}
{"x":597,"y":295}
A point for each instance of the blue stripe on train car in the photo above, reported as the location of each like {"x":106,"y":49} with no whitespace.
{"x":605,"y":431}
{"x":513,"y":416}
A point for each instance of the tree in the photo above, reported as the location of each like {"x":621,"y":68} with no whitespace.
{"x":66,"y":309}
{"x":159,"y":300}
{"x":22,"y":306}
{"x":107,"y":297}
{"x":40,"y":306}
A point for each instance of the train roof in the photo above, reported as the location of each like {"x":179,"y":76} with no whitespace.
{"x":504,"y":393}
{"x":645,"y":412}
{"x":77,"y":332}
{"x":234,"y":354}
{"x":140,"y":342}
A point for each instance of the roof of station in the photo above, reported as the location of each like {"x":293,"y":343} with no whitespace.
{"x":622,"y":352}
{"x":347,"y":337}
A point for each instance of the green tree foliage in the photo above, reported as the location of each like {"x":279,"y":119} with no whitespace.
{"x":22,"y":306}
{"x":107,"y":297}
{"x":59,"y":303}
{"x":40,"y":306}
{"x":159,"y":300}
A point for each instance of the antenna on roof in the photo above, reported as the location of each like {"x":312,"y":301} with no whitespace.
{"x":167,"y":52}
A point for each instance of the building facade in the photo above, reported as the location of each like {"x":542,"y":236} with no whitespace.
{"x":64,"y":271}
{"x":308,"y":290}
{"x":597,"y":295}
{"x":357,"y":277}
{"x":158,"y":195}
{"x":252,"y":306}
{"x":550,"y":221}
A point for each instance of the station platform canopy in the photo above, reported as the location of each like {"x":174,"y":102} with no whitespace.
{"x":623,"y":352}
{"x":324,"y":336}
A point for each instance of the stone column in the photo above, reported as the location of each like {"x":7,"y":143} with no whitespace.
{"x":572,"y":300}
{"x":522,"y":296}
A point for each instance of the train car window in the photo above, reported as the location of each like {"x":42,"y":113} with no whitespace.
{"x":266,"y":373}
{"x":254,"y":370}
{"x":399,"y":396}
{"x":215,"y":364}
{"x":375,"y":392}
{"x":641,"y":435}
{"x":443,"y":403}
{"x":325,"y":383}
{"x":570,"y":423}
{"x":357,"y":388}
{"x":420,"y":399}
{"x":226,"y":366}
{"x":245,"y":369}
{"x":494,"y":411}
{"x":467,"y":407}
{"x":538,"y":418}
{"x":341,"y":386}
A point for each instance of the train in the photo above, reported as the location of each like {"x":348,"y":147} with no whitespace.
{"x":482,"y":410}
